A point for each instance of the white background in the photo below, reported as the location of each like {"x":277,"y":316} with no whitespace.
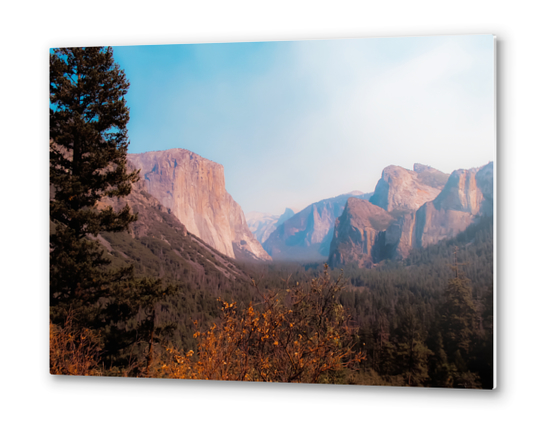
{"x":28,"y":29}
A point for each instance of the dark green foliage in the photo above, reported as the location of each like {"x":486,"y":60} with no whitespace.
{"x":135,"y":305}
{"x":88,"y":144}
{"x":399,"y":307}
{"x":199,"y":273}
{"x":412,"y":353}
{"x":457,"y":324}
{"x":458,"y":316}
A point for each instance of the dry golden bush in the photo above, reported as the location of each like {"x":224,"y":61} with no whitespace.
{"x":73,"y":351}
{"x":294,"y":336}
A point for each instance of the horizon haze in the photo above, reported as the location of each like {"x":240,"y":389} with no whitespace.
{"x":307,"y":120}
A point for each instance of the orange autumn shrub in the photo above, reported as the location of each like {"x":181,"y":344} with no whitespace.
{"x":73,"y":351}
{"x":295,"y":336}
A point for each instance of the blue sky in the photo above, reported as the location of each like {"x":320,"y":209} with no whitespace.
{"x":296,"y":122}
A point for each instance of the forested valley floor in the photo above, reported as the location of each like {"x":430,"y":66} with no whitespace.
{"x":424,"y":321}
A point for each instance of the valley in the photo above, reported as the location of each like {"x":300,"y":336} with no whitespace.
{"x":394,"y":250}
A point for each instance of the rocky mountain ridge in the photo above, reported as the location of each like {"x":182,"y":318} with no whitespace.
{"x":467,"y":194}
{"x":466,"y":197}
{"x":402,"y":190}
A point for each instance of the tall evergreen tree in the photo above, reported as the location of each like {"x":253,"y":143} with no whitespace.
{"x":412,"y":353}
{"x":458,"y":327}
{"x":458,"y":314}
{"x":88,"y":146}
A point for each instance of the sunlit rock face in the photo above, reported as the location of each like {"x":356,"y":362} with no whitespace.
{"x":402,"y":190}
{"x":194,"y":189}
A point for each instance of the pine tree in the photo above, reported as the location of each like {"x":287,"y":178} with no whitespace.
{"x":88,"y":146}
{"x":458,"y":327}
{"x":412,"y":354}
{"x":459,"y":313}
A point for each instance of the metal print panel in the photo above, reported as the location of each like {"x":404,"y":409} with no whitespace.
{"x":299,"y":212}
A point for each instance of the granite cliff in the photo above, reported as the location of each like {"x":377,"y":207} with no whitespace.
{"x":402,"y":191}
{"x":194,"y":189}
{"x":466,"y":196}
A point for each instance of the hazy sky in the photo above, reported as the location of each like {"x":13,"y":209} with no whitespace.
{"x":297,"y":122}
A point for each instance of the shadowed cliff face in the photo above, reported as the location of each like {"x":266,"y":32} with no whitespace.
{"x":307,"y":235}
{"x":359,"y":234}
{"x":195,"y":191}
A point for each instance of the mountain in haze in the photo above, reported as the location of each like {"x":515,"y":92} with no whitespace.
{"x":194,"y":189}
{"x":307,"y":235}
{"x":365,"y":236}
{"x":263,"y":224}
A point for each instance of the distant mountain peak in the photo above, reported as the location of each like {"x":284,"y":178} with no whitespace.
{"x":262,"y":224}
{"x":356,"y":233}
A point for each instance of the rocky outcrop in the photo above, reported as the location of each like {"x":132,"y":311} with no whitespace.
{"x":359,"y":234}
{"x":263,"y":224}
{"x":467,"y":195}
{"x":404,"y":191}
{"x":399,"y":237}
{"x":194,"y":189}
{"x":307,"y":235}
